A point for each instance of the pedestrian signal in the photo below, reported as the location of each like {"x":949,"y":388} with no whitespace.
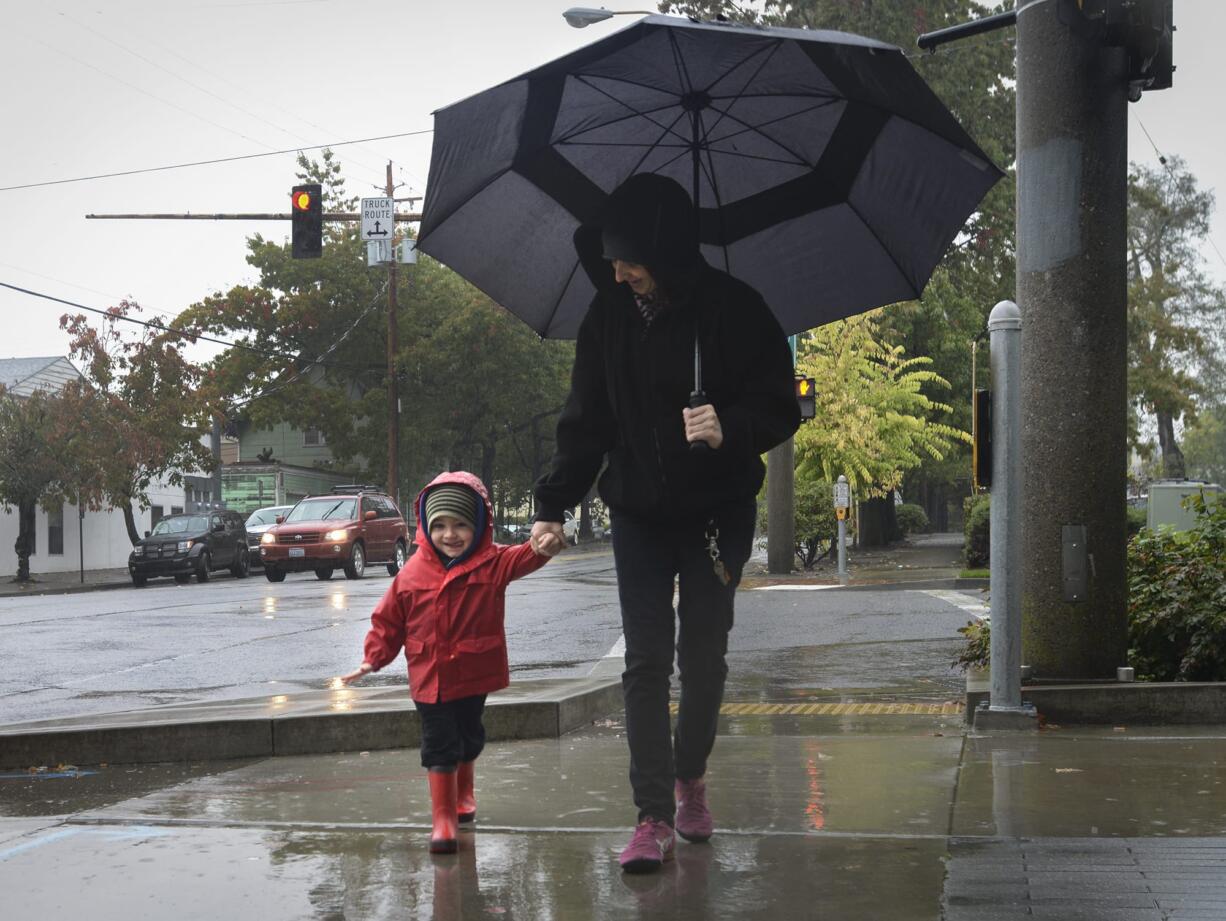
{"x":307,"y":217}
{"x":806,"y":396}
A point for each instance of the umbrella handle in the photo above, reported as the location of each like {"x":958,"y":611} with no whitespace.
{"x":698,"y":398}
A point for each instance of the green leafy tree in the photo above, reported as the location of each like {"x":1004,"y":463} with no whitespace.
{"x":874,"y":420}
{"x":1175,"y":355}
{"x":1204,"y":443}
{"x":137,"y":417}
{"x":473,"y":381}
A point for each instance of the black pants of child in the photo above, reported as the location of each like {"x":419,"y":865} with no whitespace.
{"x":451,"y":732}
{"x":648,"y":556}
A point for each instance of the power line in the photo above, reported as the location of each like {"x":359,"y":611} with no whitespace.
{"x":162,"y":327}
{"x":273,"y":387}
{"x":193,"y":85}
{"x":157,"y":169}
{"x":1162,"y":159}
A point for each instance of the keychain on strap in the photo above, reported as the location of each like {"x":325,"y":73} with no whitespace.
{"x":712,"y":535}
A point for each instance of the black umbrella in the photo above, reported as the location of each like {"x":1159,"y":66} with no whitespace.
{"x":827,"y":174}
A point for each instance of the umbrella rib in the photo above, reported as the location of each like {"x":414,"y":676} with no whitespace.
{"x":558,"y":303}
{"x":885,"y":249}
{"x":683,"y":72}
{"x":799,"y":160}
{"x":766,"y":60}
{"x":634,"y":113}
{"x":775,"y":121}
{"x":656,"y":146}
{"x":631,"y":108}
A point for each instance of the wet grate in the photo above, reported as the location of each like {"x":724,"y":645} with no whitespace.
{"x":946,"y":708}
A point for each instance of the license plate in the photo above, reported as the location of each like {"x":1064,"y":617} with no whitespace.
{"x":297,"y":551}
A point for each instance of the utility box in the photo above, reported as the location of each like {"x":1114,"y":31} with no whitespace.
{"x":1166,"y":498}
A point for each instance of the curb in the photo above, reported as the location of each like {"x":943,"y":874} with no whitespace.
{"x":326,"y":722}
{"x":65,"y":589}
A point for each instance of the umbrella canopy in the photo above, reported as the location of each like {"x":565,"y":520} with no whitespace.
{"x":827,"y":174}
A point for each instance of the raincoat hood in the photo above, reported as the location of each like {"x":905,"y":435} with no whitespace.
{"x":483,"y":535}
{"x":653,"y":217}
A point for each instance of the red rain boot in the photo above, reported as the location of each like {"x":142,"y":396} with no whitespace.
{"x":443,"y":809}
{"x":467,"y":799}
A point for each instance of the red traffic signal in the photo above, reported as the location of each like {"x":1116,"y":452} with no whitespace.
{"x":806,"y":396}
{"x":307,"y":217}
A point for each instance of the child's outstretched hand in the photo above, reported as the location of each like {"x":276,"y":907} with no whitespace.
{"x":360,"y":671}
{"x":547,"y":538}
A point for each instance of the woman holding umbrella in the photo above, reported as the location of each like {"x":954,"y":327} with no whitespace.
{"x":679,"y":513}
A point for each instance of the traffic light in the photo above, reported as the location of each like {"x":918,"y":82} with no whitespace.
{"x":307,"y":212}
{"x":806,"y":396}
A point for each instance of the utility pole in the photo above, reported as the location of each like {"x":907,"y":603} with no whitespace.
{"x":393,"y":389}
{"x":393,"y":337}
{"x":1079,"y":62}
{"x":1072,"y":208}
{"x":781,"y":508}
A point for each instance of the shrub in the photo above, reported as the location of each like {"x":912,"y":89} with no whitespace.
{"x":1177,"y":598}
{"x":977,"y":653}
{"x":1136,"y":520}
{"x":912,"y":519}
{"x":975,"y":547}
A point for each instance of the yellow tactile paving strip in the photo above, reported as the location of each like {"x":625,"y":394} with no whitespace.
{"x":947,"y":708}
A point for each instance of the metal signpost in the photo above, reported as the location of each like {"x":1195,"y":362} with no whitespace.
{"x":842,"y":502}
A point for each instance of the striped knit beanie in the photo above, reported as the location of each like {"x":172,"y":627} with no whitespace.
{"x":451,"y":499}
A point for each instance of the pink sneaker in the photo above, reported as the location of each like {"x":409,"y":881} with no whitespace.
{"x":694,"y":821}
{"x":651,"y":845}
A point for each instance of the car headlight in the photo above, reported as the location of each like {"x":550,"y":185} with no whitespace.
{"x":338,"y":534}
{"x":185,"y":545}
{"x":138,"y":550}
{"x":268,"y":538}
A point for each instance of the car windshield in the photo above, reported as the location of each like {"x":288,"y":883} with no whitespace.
{"x":191,"y":524}
{"x":324,"y":510}
{"x":264,"y":516}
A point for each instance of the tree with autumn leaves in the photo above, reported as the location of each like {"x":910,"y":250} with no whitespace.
{"x":477,"y":387}
{"x":139,"y":414}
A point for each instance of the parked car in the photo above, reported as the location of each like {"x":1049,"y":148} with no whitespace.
{"x":570,"y":528}
{"x":347,"y":529}
{"x":258,"y":522}
{"x":192,"y":544}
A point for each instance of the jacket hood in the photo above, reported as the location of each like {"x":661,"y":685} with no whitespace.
{"x":655,"y":216}
{"x":484,"y":534}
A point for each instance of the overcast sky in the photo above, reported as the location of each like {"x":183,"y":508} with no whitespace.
{"x":118,"y":85}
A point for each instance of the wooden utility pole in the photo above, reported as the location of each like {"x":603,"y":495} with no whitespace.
{"x":393,"y":388}
{"x":393,"y":332}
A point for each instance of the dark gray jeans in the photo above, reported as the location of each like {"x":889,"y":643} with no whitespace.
{"x":649,"y":555}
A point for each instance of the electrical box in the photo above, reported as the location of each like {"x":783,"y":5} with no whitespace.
{"x":1166,"y":498}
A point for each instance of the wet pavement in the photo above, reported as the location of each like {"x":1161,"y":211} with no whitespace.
{"x":844,"y":785}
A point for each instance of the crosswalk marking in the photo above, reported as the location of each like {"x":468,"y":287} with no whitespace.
{"x":868,"y":708}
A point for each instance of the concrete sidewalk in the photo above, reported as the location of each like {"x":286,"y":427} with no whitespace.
{"x":873,"y":813}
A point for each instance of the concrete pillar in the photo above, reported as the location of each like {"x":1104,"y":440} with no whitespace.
{"x":1072,"y":291}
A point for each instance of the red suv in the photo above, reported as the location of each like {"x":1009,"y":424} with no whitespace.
{"x":347,"y":529}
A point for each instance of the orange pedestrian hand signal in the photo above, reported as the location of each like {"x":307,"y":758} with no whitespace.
{"x":806,"y":396}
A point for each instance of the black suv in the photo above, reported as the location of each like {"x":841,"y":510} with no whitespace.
{"x":193,"y":544}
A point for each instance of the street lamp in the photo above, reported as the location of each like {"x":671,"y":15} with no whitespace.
{"x":582,"y":16}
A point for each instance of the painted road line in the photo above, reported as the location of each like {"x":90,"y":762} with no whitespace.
{"x":970,"y":605}
{"x":868,"y":708}
{"x":793,"y":587}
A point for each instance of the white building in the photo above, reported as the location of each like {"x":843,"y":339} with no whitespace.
{"x":64,"y":539}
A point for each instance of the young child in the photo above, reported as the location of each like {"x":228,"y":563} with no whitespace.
{"x":445,"y":609}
